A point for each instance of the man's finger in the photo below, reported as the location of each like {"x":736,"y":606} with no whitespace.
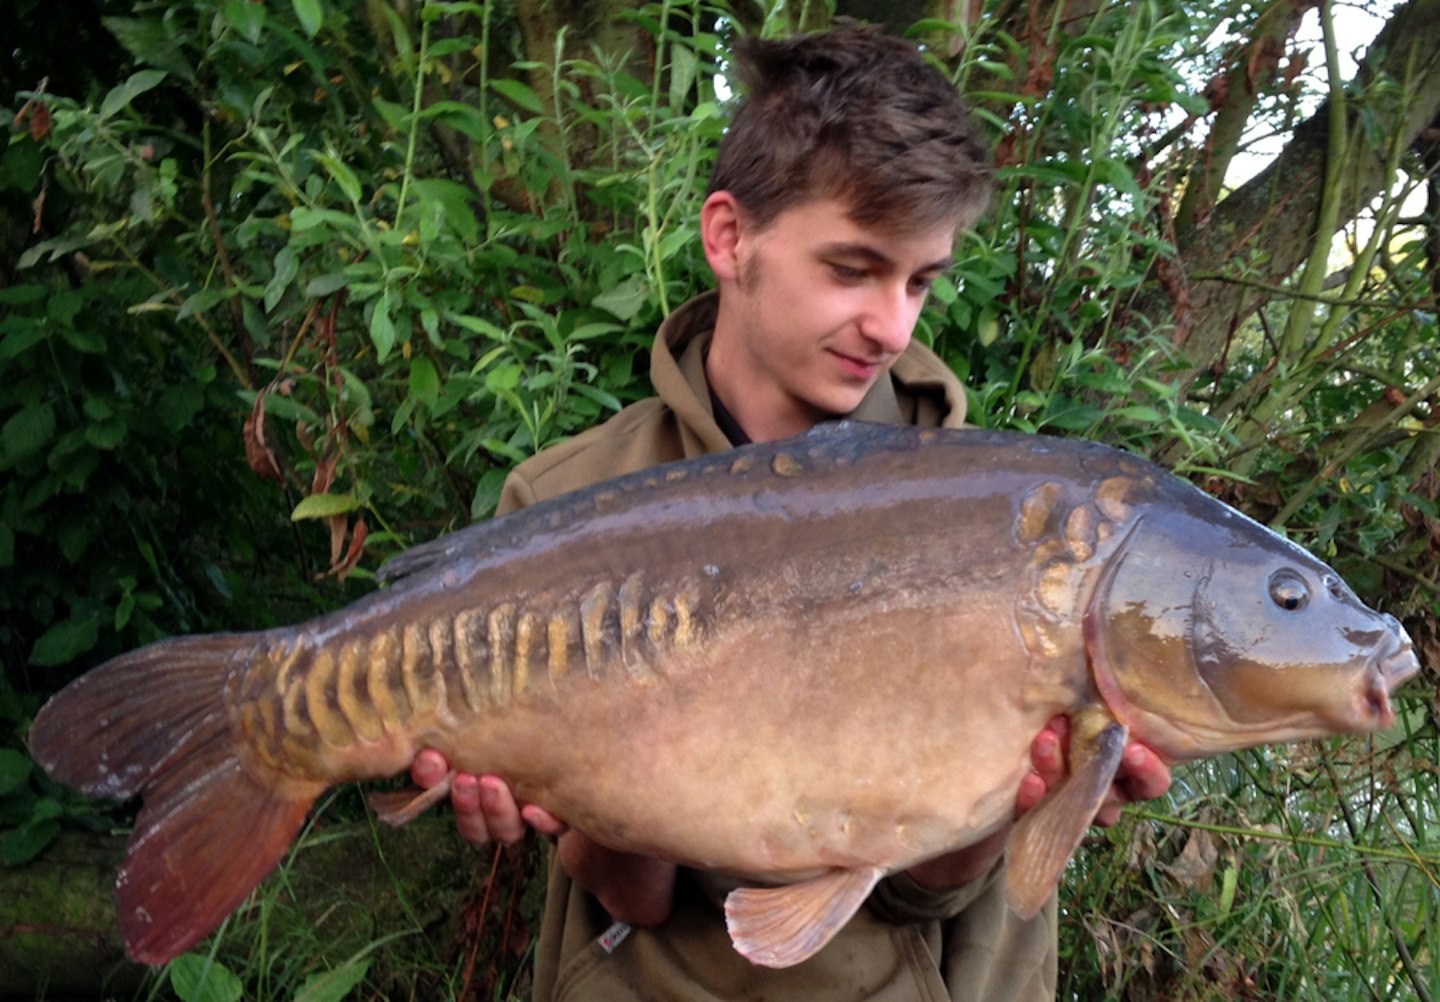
{"x":543,"y":821}
{"x":465,"y":798}
{"x":429,"y":768}
{"x":1032,"y":790}
{"x":1143,"y":775}
{"x":502,"y":816}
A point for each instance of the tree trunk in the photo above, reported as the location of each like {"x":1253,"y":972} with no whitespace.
{"x":1268,"y":224}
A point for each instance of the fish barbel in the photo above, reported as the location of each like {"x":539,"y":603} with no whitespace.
{"x":808,"y":663}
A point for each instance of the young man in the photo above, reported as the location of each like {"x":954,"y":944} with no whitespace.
{"x":835,"y":202}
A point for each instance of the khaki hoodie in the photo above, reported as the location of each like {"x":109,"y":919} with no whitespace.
{"x":908,"y":943}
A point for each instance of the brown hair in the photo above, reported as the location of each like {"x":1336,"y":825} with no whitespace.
{"x":856,"y":115}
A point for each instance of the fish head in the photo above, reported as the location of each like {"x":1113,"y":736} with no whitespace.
{"x":1208,"y":632}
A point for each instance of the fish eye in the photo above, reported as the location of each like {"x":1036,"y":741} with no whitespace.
{"x":1289,"y":591}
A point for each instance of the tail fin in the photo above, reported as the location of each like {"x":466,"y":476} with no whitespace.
{"x":154,"y":723}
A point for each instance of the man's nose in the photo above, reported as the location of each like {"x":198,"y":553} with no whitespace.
{"x":890,"y":317}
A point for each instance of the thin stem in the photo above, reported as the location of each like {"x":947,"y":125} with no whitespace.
{"x":415,"y":104}
{"x":1407,"y":856}
{"x":1312,"y":279}
{"x":1351,"y":449}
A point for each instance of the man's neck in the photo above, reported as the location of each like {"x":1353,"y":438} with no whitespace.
{"x":760,"y":412}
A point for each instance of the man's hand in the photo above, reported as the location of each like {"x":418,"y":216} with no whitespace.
{"x":1143,"y":775}
{"x":632,"y":888}
{"x":485,"y":809}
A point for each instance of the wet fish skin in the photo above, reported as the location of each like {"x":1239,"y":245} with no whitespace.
{"x":855,"y":634}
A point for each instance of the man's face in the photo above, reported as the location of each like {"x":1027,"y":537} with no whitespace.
{"x":823,"y":306}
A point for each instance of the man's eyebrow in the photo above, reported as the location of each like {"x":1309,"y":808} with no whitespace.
{"x":876,"y":258}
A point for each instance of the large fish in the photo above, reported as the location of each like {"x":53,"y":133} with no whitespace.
{"x":808,"y":663}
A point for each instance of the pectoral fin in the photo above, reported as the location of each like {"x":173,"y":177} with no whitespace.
{"x":781,"y":926}
{"x":403,"y":806}
{"x":1048,"y":835}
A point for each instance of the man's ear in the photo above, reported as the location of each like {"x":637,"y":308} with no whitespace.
{"x":722,"y":225}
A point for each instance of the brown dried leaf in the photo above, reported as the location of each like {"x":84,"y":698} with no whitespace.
{"x":257,"y":453}
{"x":357,"y":547}
{"x":37,"y":208}
{"x":338,"y":526}
{"x":324,"y":476}
{"x":341,"y":567}
{"x":39,"y":122}
{"x":1194,"y":868}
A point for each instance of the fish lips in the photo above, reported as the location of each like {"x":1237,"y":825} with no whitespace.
{"x":1389,"y":669}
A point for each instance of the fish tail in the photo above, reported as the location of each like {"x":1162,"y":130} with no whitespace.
{"x":154,"y":723}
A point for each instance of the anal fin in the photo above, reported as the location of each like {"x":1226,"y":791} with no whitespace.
{"x":781,"y":926}
{"x":1046,"y":837}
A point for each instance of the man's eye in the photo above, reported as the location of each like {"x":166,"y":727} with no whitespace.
{"x":846,"y":273}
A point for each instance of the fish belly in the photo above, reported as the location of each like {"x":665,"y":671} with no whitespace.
{"x":784,"y":748}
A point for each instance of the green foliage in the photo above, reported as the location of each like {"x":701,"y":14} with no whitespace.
{"x":307,"y":279}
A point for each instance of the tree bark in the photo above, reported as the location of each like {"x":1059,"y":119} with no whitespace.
{"x":1266,"y":227}
{"x":1234,"y":96}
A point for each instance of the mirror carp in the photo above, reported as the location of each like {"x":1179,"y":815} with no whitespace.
{"x":807,"y":664}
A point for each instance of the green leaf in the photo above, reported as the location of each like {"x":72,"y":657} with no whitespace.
{"x":202,"y":301}
{"x":988,"y":328}
{"x":287,"y":265}
{"x":461,"y":117}
{"x":424,"y":381}
{"x":65,"y":641}
{"x":303,"y":218}
{"x":519,"y":94}
{"x":323,"y":285}
{"x":121,"y":96}
{"x":1139,"y":412}
{"x":625,"y":299}
{"x":601,"y":397}
{"x":18,"y":295}
{"x":342,"y":175}
{"x":20,"y":845}
{"x":324,"y":506}
{"x":84,"y":339}
{"x":246,"y":18}
{"x":683,"y":65}
{"x":480,"y":326}
{"x":27,"y":432}
{"x":149,"y":41}
{"x":179,"y":405}
{"x":311,"y":16}
{"x":14,"y":770}
{"x":1228,"y":882}
{"x":382,"y":328}
{"x":333,"y":986}
{"x":200,"y":979}
{"x":124,"y":609}
{"x":106,"y":434}
{"x":504,"y":377}
{"x":75,"y":537}
{"x":24,"y":334}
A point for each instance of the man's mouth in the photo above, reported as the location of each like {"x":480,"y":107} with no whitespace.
{"x":858,"y":368}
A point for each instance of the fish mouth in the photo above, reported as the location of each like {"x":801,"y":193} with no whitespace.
{"x":1388,"y":671}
